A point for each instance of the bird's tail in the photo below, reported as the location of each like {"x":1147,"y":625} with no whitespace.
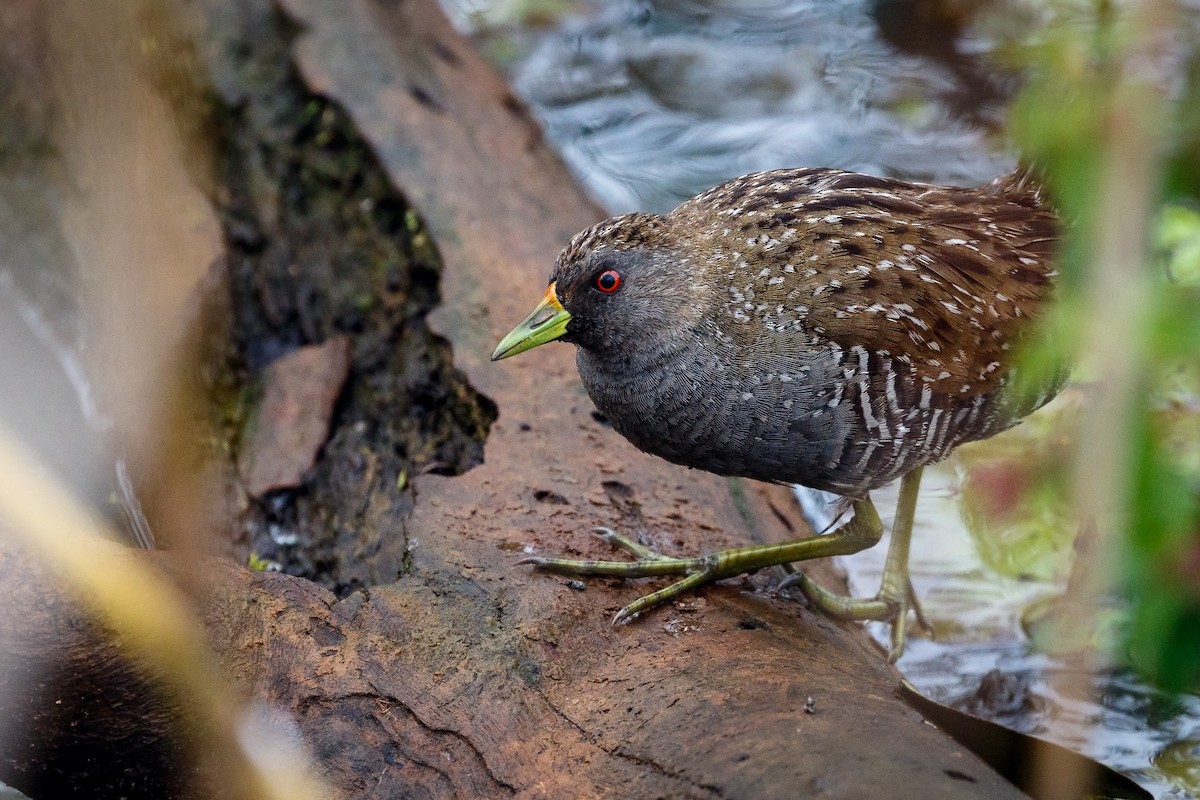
{"x":1024,"y":185}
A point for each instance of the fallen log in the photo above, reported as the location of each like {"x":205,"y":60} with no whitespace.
{"x":469,"y":676}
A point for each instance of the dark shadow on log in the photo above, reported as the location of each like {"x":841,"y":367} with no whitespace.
{"x":79,"y":718}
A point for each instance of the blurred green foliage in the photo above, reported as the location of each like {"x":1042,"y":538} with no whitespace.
{"x":1015,"y":494}
{"x":1077,"y":95}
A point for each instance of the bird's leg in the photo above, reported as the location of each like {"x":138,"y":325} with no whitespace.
{"x":858,"y":534}
{"x":896,"y":597}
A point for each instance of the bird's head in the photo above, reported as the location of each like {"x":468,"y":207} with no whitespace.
{"x":616,"y":287}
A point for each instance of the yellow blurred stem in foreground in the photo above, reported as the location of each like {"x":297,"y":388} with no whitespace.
{"x":144,"y":611}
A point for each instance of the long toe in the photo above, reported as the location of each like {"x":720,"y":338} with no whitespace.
{"x":884,"y":607}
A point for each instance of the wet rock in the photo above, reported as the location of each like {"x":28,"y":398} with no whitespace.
{"x":293,"y":419}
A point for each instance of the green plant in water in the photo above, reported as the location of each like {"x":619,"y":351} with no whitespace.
{"x":1014,"y":497}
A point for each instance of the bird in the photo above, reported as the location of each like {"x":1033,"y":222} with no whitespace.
{"x":807,"y":326}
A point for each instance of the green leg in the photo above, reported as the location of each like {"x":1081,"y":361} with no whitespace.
{"x":896,"y":597}
{"x":858,"y":534}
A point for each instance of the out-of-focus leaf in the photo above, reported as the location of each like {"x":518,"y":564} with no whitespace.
{"x":1181,"y":762}
{"x":1015,"y":501}
{"x":1163,"y":565}
{"x":1179,"y":239}
{"x":1054,"y":628}
{"x":1066,"y":111}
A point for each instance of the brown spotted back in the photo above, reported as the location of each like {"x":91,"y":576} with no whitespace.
{"x":837,"y":330}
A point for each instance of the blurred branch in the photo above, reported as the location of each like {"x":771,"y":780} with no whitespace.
{"x":1117,"y":292}
{"x":1115,"y":194}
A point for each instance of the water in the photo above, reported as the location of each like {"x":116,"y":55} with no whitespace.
{"x":977,"y":612}
{"x":652,"y":102}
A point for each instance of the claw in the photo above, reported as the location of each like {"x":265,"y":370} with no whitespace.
{"x":624,"y":617}
{"x":918,"y":612}
{"x":792,"y":579}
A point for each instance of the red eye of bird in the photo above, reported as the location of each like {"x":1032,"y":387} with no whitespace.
{"x":608,"y":281}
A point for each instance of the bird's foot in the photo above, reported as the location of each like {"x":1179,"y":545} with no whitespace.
{"x":891,"y":605}
{"x":648,"y":563}
{"x":861,"y":532}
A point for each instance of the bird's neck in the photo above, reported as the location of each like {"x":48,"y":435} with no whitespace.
{"x":643,"y":369}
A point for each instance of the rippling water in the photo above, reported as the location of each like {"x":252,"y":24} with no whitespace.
{"x":652,"y":102}
{"x":1118,"y":720}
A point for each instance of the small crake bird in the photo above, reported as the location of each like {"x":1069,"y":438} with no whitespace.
{"x":806,"y":326}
